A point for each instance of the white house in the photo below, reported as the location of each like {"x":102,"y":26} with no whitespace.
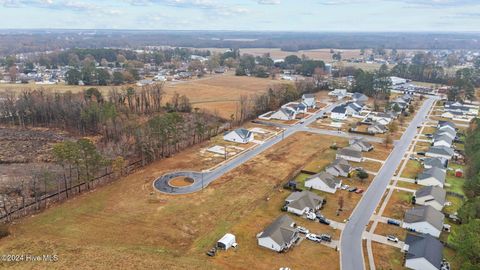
{"x":431,"y":195}
{"x":377,"y":128}
{"x":397,"y":80}
{"x":323,"y":181}
{"x":339,"y":113}
{"x":361,"y":145}
{"x":309,"y":100}
{"x":239,"y":136}
{"x":303,"y":202}
{"x":280,"y":235}
{"x":339,"y":167}
{"x":284,"y":114}
{"x":338,"y":93}
{"x":431,"y":177}
{"x":423,"y":252}
{"x":350,"y":155}
{"x":424,"y":219}
{"x":381,"y":118}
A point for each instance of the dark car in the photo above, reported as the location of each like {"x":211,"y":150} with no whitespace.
{"x":359,"y":191}
{"x":326,"y":237}
{"x":324,"y":221}
{"x":421,"y":153}
{"x":212,"y":252}
{"x":353,"y":189}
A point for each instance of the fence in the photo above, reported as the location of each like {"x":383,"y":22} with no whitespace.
{"x":45,"y":200}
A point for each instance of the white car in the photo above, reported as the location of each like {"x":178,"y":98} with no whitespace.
{"x":311,"y":216}
{"x":313,"y":237}
{"x":303,"y":230}
{"x":344,"y":187}
{"x":392,"y":238}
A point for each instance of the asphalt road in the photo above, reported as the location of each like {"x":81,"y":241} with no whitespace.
{"x":203,"y":179}
{"x":351,"y":253}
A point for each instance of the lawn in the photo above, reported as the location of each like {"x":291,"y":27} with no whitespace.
{"x":456,"y":204}
{"x":412,"y":169}
{"x":387,"y":257}
{"x":128,"y":225}
{"x":380,"y":151}
{"x":456,"y":184}
{"x":387,"y":229}
{"x":368,"y":165}
{"x":429,"y":130}
{"x":422,"y":146}
{"x":399,"y":202}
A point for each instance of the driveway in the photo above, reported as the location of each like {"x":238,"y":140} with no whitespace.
{"x":351,"y":252}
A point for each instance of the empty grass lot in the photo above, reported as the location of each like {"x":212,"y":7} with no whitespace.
{"x":387,"y":257}
{"x":456,"y":184}
{"x":412,"y":169}
{"x":399,"y":202}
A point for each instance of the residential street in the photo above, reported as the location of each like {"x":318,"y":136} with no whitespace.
{"x":351,"y":253}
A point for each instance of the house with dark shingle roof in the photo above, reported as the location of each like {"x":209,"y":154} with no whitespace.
{"x":239,"y":135}
{"x":433,"y":196}
{"x":302,"y":202}
{"x":423,"y":252}
{"x":442,"y":140}
{"x":339,"y":167}
{"x":440,"y":151}
{"x":431,"y":177}
{"x":377,"y":128}
{"x":359,"y":97}
{"x":284,"y":114}
{"x":280,"y":235}
{"x":339,"y":112}
{"x":324,"y":182}
{"x":360,"y":144}
{"x":424,"y":219}
{"x":350,"y":154}
{"x":436,"y":162}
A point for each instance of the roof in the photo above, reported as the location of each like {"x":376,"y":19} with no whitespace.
{"x":361,"y":142}
{"x":446,"y":123}
{"x":308,"y":96}
{"x":339,"y":109}
{"x":446,"y":130}
{"x":243,"y":133}
{"x":434,"y":172}
{"x":300,"y":200}
{"x":426,"y":213}
{"x":425,"y":246}
{"x":330,"y":180}
{"x":280,"y":230}
{"x":441,"y":150}
{"x":349,"y":152}
{"x":358,"y":96}
{"x":435,"y":162}
{"x":442,"y":137}
{"x":437,"y":193}
{"x":286,"y":111}
{"x":379,"y":126}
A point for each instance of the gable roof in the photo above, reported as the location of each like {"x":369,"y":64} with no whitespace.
{"x":300,"y":200}
{"x":339,"y":109}
{"x":287,"y":111}
{"x":441,"y":150}
{"x":341,"y":165}
{"x":425,"y":246}
{"x":280,"y":230}
{"x":435,"y":162}
{"x":349,"y":152}
{"x":308,"y":96}
{"x":379,"y":126}
{"x":445,"y":130}
{"x":434,"y":172}
{"x":425,"y":213}
{"x":443,"y":137}
{"x":243,"y":133}
{"x":359,"y":96}
{"x":330,"y":180}
{"x":437,"y":193}
{"x":446,"y":123}
{"x":361,"y":142}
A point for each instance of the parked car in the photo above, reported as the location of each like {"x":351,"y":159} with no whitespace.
{"x":311,"y":216}
{"x":324,"y":221}
{"x":303,"y":230}
{"x":212,"y":252}
{"x":393,"y":222}
{"x":313,"y":237}
{"x":326,"y":237}
{"x":421,"y":153}
{"x":359,"y":191}
{"x":392,"y":238}
{"x":344,"y":187}
{"x":352,"y":189}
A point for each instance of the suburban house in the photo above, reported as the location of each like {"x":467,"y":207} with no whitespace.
{"x":338,"y":93}
{"x":381,"y":118}
{"x":284,"y":114}
{"x":377,"y":128}
{"x":431,"y":195}
{"x":353,"y":109}
{"x":424,"y":219}
{"x":239,"y":136}
{"x":309,"y":100}
{"x":431,"y":177}
{"x":397,"y":80}
{"x":339,"y":113}
{"x":339,"y":167}
{"x":280,"y":235}
{"x":440,"y":151}
{"x":359,"y":97}
{"x":349,"y":154}
{"x":324,"y":182}
{"x":296,"y":107}
{"x":440,"y":163}
{"x":423,"y":252}
{"x":446,"y":132}
{"x":442,"y":140}
{"x":452,"y":115}
{"x":302,"y":202}
{"x":446,"y":125}
{"x":360,"y":145}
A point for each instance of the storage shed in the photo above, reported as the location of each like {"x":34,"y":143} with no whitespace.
{"x":226,"y":242}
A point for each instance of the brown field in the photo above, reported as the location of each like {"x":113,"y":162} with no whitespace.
{"x":408,"y":185}
{"x":412,"y":169}
{"x":398,"y":203}
{"x":387,"y":229}
{"x":173,"y":232}
{"x":387,"y":257}
{"x":380,"y":151}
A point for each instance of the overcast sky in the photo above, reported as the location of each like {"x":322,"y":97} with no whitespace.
{"x":279,"y":15}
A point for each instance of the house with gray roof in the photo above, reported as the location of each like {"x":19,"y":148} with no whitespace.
{"x":360,"y":144}
{"x":377,"y":128}
{"x":339,"y":112}
{"x":431,"y":177}
{"x":350,"y":154}
{"x":446,"y":132}
{"x":423,"y":252}
{"x":280,"y":235}
{"x":324,"y":182}
{"x":338,"y":93}
{"x":442,"y":140}
{"x":431,"y":195}
{"x":309,"y":100}
{"x":359,"y":97}
{"x":339,"y":167}
{"x":424,"y":219}
{"x":303,"y":202}
{"x":239,"y":135}
{"x":284,"y":114}
{"x":440,"y":151}
{"x":446,"y":124}
{"x":436,"y":162}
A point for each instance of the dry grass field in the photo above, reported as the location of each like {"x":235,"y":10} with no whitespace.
{"x":387,"y":257}
{"x":128,"y":225}
{"x":397,"y":205}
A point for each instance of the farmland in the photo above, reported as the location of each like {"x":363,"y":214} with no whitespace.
{"x":174,"y":232}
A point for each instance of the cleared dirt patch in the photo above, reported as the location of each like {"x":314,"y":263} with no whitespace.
{"x":181,"y":181}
